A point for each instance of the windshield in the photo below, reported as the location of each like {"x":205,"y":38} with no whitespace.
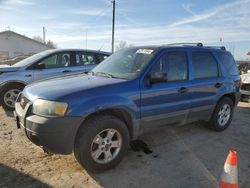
{"x":125,"y":64}
{"x":31,"y":59}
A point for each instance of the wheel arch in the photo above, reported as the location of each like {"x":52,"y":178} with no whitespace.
{"x":14,"y":82}
{"x":230,"y":96}
{"x":119,"y":113}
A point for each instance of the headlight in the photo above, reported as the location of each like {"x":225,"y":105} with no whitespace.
{"x":49,"y":108}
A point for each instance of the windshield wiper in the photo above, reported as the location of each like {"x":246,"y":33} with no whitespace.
{"x":103,"y":74}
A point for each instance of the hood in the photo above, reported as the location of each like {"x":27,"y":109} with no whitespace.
{"x":245,"y":78}
{"x":7,"y":68}
{"x":65,"y":87}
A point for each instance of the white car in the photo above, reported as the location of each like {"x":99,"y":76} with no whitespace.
{"x":245,"y":87}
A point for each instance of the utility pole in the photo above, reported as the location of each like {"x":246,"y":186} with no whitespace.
{"x":86,"y":42}
{"x":44,"y":40}
{"x":113,"y":27}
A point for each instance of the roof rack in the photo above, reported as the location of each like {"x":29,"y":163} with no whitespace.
{"x":218,"y":47}
{"x":199,"y":44}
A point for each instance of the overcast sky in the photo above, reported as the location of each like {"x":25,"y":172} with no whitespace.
{"x":69,"y":22}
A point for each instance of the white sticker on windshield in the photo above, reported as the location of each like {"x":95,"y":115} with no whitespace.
{"x":144,"y":51}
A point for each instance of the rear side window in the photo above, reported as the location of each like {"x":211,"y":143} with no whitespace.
{"x":205,"y":65}
{"x":85,"y":59}
{"x":229,"y":63}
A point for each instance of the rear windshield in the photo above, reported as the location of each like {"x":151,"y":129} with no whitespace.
{"x":230,"y":64}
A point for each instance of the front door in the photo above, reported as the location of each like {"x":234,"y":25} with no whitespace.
{"x":167,"y":101}
{"x":55,"y":65}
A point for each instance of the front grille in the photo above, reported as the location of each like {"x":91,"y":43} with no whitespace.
{"x":24,"y":101}
{"x":245,"y":87}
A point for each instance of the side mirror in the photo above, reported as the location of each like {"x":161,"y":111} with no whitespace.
{"x":158,"y":77}
{"x":40,"y":66}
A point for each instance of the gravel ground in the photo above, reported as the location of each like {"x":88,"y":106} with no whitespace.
{"x":183,"y":156}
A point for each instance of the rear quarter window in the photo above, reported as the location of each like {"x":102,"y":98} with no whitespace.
{"x":229,"y":63}
{"x":204,"y":65}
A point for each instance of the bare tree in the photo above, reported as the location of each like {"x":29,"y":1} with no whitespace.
{"x":38,"y":38}
{"x":122,"y":44}
{"x":51,"y":44}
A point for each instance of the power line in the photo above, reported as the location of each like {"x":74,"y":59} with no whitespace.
{"x":81,"y":28}
{"x":92,"y":22}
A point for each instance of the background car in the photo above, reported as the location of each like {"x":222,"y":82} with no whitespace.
{"x":245,"y":87}
{"x":243,"y":66}
{"x":50,"y":63}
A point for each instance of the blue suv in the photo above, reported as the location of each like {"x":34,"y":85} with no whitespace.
{"x":96,"y":115}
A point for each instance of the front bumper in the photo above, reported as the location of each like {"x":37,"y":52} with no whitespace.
{"x":56,"y":134}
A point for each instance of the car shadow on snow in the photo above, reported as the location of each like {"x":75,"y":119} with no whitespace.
{"x":10,"y":177}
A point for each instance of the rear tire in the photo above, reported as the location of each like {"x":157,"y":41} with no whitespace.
{"x":94,"y":150}
{"x":9,"y":95}
{"x":223,"y":115}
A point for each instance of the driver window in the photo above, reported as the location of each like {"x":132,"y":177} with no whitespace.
{"x":57,"y":61}
{"x":174,"y":64}
{"x":49,"y":62}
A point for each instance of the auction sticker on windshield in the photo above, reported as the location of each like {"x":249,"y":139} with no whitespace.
{"x":144,"y":51}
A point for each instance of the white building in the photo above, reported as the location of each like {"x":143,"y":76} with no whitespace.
{"x":13,"y":44}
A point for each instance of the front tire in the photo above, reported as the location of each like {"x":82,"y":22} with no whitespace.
{"x":9,"y":95}
{"x":101,"y":142}
{"x":222,"y":115}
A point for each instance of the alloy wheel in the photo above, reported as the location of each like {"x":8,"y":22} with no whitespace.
{"x":224,"y":114}
{"x":106,"y":146}
{"x":10,"y":97}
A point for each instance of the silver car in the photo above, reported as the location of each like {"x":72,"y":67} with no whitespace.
{"x":50,"y":63}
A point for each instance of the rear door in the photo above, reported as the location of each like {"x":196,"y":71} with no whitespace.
{"x":206,"y":84}
{"x":167,"y":102}
{"x":54,"y":65}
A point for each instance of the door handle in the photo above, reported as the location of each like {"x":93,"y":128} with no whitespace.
{"x":218,"y":85}
{"x":28,"y":75}
{"x":183,"y":90}
{"x":65,"y":71}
